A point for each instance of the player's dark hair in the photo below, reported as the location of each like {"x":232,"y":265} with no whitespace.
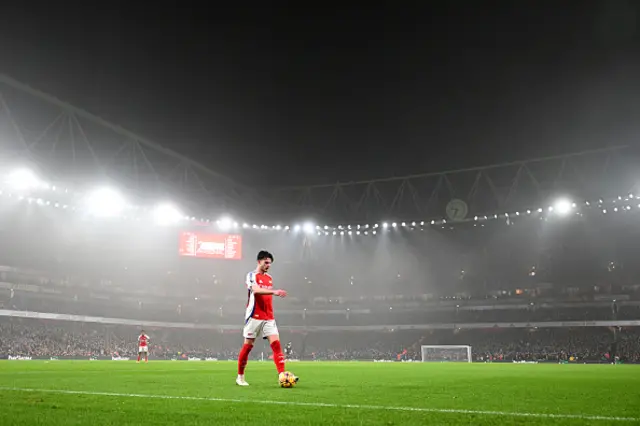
{"x":263,"y":254}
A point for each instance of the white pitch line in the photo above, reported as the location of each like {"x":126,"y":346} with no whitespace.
{"x":141,"y":370}
{"x":329,"y":405}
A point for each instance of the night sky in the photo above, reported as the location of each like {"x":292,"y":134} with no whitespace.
{"x":284,"y":95}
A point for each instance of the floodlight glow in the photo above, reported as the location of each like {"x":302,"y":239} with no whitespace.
{"x":166,"y":214}
{"x":308,"y":227}
{"x":22,"y":179}
{"x":225,"y":223}
{"x":105,"y":202}
{"x":563,"y":206}
{"x":296,"y":228}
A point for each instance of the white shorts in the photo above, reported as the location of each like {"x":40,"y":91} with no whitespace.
{"x":144,"y":349}
{"x":254,"y":328}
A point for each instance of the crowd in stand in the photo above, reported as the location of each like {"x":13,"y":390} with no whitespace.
{"x":561,"y":344}
{"x":67,"y":339}
{"x":49,"y":339}
{"x":207,"y":311}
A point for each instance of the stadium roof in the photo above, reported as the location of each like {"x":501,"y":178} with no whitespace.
{"x":77,"y":147}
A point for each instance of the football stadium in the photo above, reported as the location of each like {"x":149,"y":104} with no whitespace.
{"x":499,"y":294}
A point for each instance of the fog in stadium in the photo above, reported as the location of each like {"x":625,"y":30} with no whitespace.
{"x":449,"y":197}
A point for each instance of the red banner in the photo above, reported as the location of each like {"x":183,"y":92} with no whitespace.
{"x":211,"y":246}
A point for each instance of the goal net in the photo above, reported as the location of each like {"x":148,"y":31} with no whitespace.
{"x":446,"y":353}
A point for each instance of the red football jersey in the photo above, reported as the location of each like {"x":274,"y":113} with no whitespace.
{"x":259,"y":306}
{"x":143,"y":340}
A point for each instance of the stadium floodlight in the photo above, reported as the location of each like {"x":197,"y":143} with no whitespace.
{"x":562,"y":206}
{"x":105,"y":202}
{"x":225,"y":223}
{"x":308,"y":227}
{"x":23,"y":179}
{"x":446,"y":353}
{"x":166,"y":214}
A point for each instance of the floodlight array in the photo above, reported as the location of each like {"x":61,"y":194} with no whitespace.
{"x":108,"y":203}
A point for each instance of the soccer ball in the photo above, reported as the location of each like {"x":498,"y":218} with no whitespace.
{"x":287,"y":379}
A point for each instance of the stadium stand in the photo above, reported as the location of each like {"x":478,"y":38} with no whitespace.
{"x":523,"y":283}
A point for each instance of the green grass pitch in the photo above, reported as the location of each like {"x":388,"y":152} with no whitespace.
{"x":204,"y":393}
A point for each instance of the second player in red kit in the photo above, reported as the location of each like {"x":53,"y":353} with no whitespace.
{"x":143,"y":346}
{"x":259,"y":319}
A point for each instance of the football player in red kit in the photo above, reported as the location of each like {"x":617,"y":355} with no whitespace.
{"x":259,"y":319}
{"x":143,"y":346}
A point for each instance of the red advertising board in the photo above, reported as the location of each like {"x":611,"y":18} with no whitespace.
{"x":211,"y":246}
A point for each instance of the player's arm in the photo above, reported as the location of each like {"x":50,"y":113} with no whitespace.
{"x":256,"y":289}
{"x":259,"y":290}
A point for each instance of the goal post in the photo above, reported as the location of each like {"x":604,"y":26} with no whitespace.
{"x":446,"y":353}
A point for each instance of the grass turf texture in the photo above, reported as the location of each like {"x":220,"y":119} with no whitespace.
{"x":204,"y":393}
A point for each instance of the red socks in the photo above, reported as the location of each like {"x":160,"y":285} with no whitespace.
{"x":243,"y":357}
{"x":278,"y":356}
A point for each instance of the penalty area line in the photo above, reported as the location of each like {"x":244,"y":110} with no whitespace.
{"x":330,"y":405}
